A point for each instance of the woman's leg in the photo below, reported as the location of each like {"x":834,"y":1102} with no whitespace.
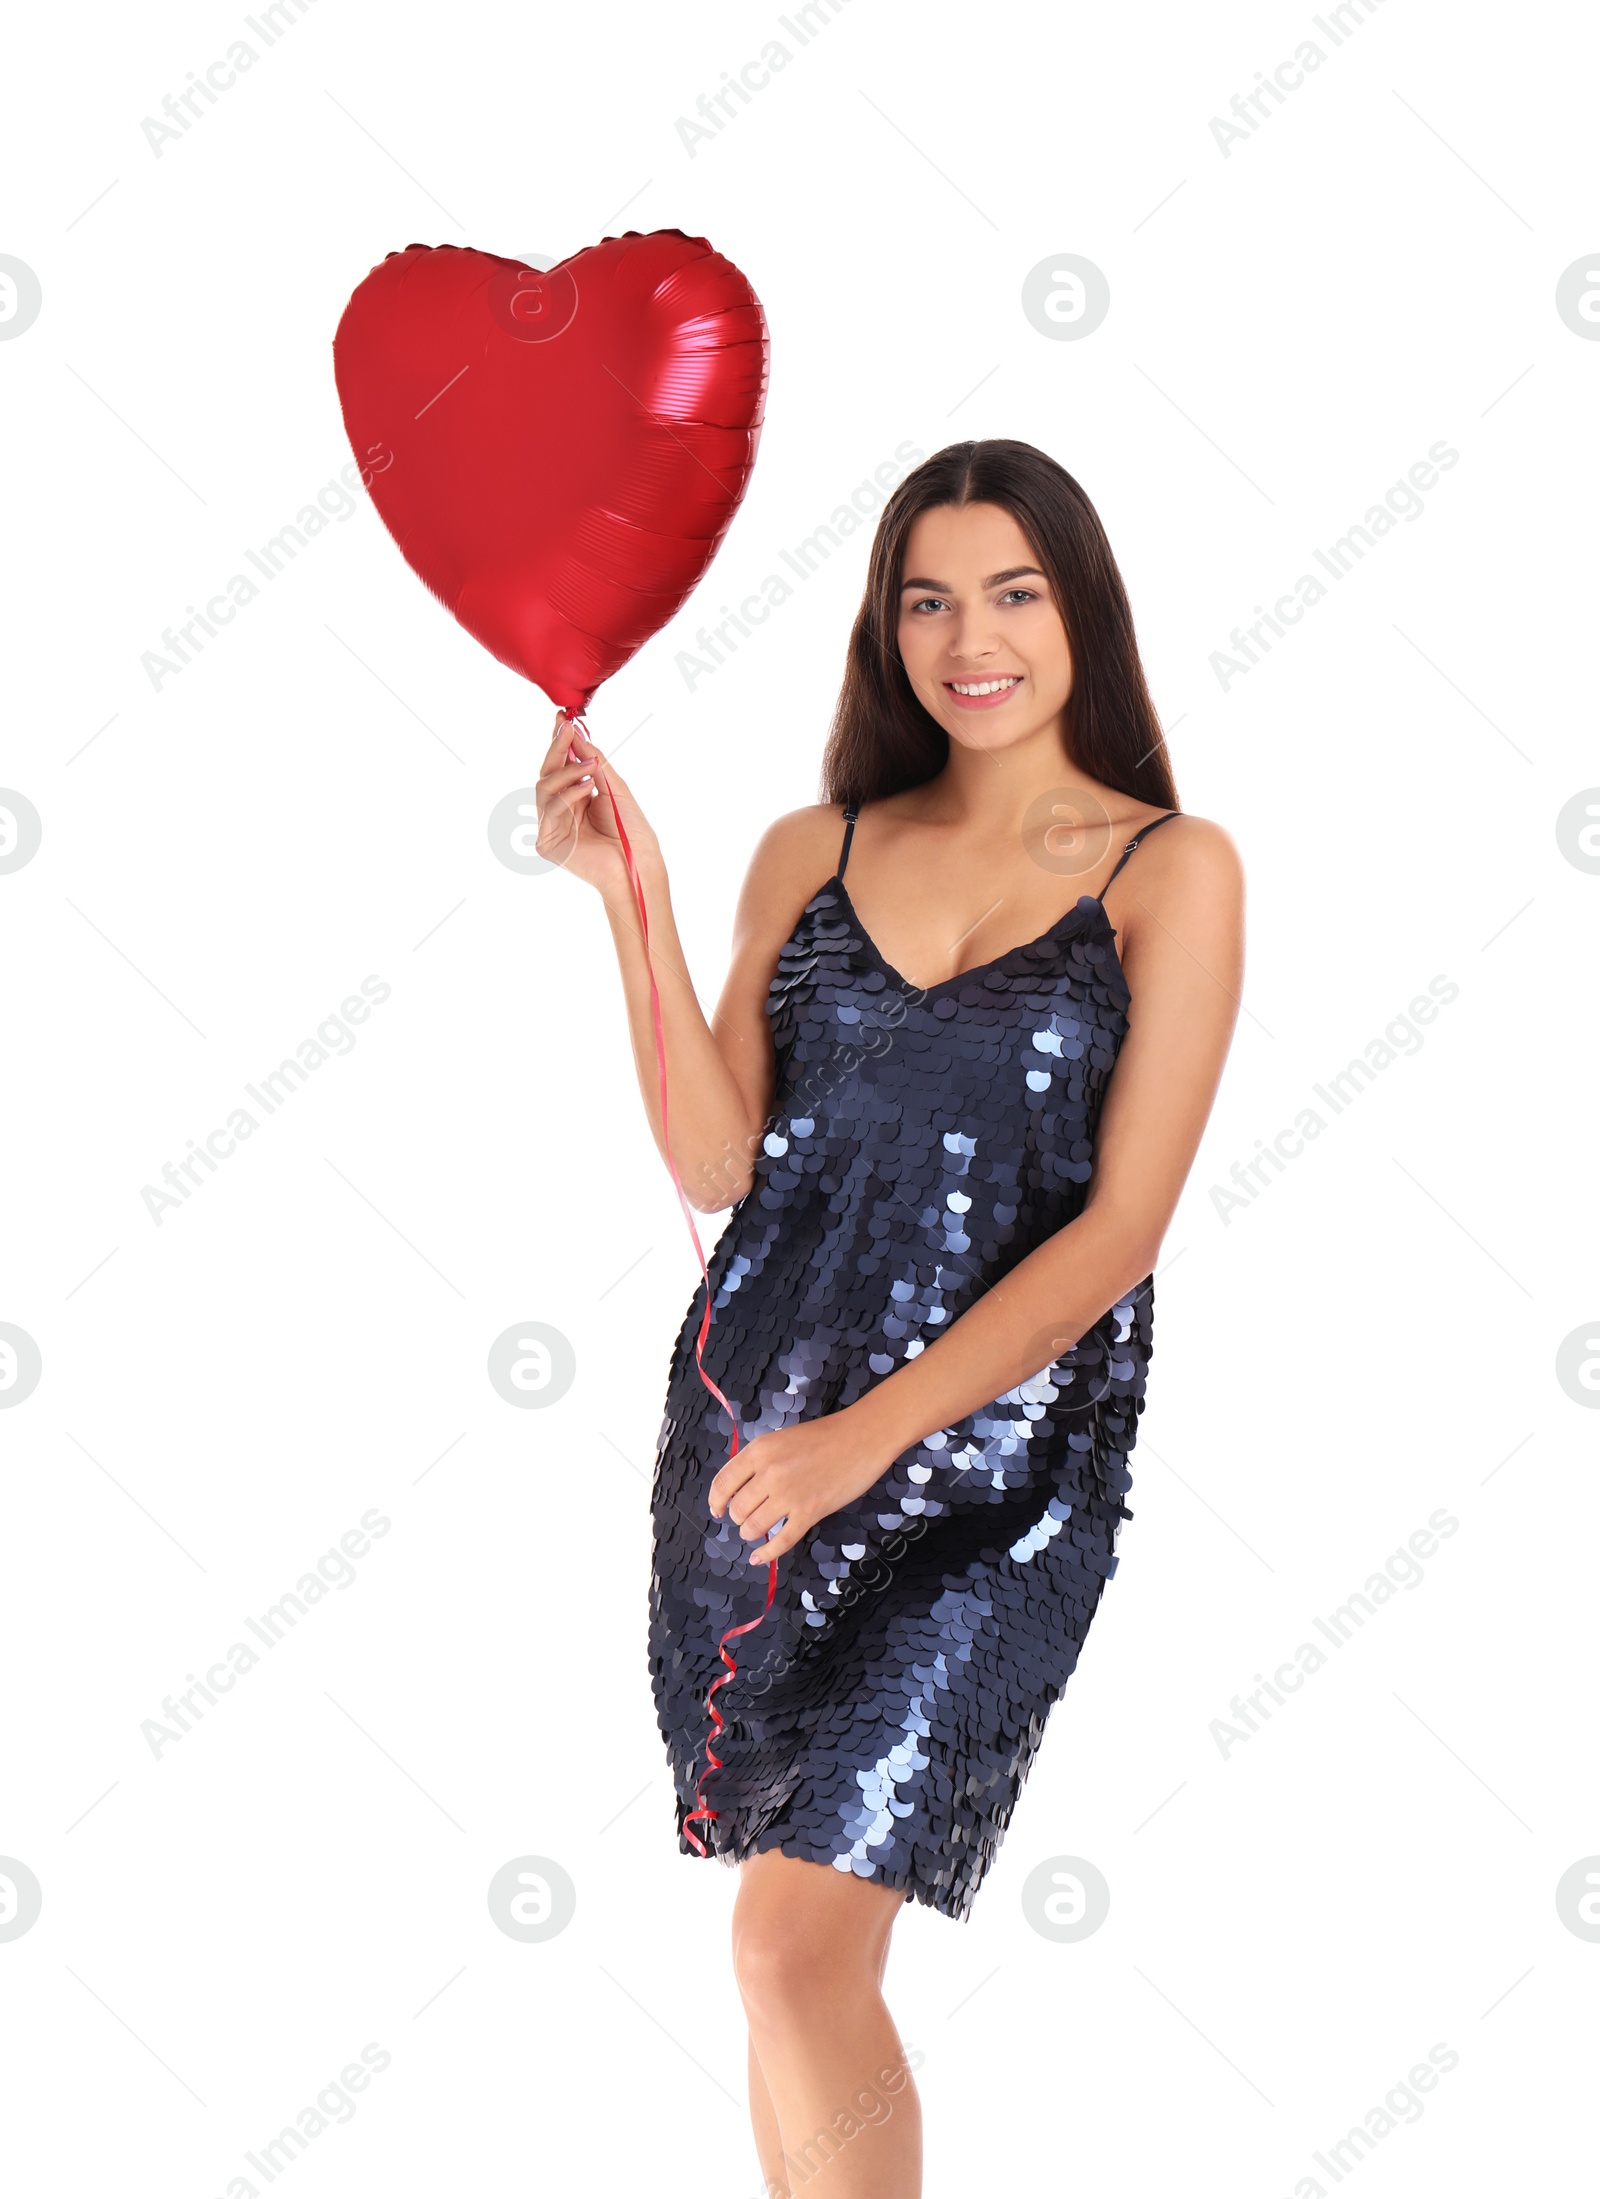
{"x":810,"y":1945}
{"x":764,"y":2116}
{"x":769,"y":2142}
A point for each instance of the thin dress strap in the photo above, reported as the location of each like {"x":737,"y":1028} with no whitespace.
{"x":1143,"y":831}
{"x":844,"y":852}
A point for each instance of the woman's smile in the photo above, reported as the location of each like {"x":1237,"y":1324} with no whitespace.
{"x":983,"y":694}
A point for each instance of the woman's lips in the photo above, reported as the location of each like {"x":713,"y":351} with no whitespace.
{"x":983,"y":702}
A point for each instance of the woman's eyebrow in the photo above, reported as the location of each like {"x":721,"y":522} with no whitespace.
{"x":995,"y":580}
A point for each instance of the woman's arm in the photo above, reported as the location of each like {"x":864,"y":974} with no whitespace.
{"x":720,"y":1073}
{"x":1183,"y":955}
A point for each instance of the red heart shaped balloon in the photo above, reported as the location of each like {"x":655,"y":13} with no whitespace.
{"x":557,"y":454}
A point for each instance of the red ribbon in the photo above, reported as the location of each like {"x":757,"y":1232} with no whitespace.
{"x":713,"y":1761}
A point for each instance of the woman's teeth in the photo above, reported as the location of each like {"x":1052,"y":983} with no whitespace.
{"x":984,"y":687}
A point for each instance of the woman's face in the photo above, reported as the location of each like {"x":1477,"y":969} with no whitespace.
{"x":981,"y":638}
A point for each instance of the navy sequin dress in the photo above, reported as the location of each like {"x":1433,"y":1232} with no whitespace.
{"x":921,"y":1142}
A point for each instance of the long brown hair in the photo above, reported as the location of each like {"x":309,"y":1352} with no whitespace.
{"x":882,"y":740}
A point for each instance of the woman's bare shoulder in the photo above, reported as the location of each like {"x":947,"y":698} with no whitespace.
{"x":1192,"y":855}
{"x":799,"y":851}
{"x":793,"y":859}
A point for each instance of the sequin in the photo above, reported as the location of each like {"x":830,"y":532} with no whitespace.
{"x":887,"y":1712}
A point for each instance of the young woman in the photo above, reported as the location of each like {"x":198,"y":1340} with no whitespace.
{"x":952,"y":1105}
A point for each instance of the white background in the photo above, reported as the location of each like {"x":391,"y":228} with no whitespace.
{"x":1292,"y":325}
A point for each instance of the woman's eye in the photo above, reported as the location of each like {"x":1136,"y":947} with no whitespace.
{"x":937,"y":603}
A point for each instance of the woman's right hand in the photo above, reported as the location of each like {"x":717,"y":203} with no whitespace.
{"x":577,"y":829}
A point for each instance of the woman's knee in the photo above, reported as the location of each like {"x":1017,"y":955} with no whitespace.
{"x":777,"y":1970}
{"x":798,"y":1946}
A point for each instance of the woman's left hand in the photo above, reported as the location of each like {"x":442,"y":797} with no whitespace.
{"x":798,"y":1475}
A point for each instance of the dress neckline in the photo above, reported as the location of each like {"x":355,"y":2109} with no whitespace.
{"x":979,"y":970}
